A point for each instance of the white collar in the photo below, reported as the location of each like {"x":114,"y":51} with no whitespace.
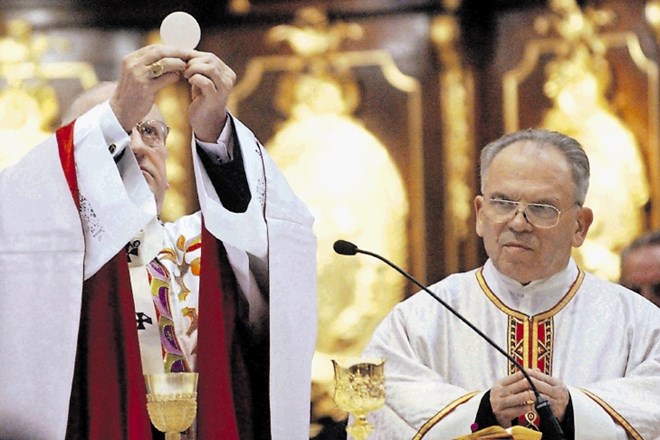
{"x":535,"y":297}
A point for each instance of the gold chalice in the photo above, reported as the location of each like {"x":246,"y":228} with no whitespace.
{"x":359,"y":389}
{"x":172,"y":402}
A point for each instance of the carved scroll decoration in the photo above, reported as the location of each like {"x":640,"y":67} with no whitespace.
{"x":457,"y":118}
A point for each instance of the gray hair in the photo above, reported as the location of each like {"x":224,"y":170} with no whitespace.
{"x":648,"y":239}
{"x":569,"y":147}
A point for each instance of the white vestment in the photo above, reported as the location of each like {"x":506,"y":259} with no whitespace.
{"x":599,"y":338}
{"x":46,"y":252}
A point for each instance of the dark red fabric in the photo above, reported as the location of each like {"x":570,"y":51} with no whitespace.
{"x":108,"y":398}
{"x":216,"y":413}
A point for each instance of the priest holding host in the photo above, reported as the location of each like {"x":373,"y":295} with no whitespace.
{"x":97,"y":291}
{"x":590,"y":347}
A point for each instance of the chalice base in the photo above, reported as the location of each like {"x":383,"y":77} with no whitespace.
{"x":360,"y":429}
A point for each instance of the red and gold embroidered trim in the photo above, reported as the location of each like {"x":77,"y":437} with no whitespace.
{"x":530,"y":339}
{"x":530,"y":343}
{"x":441,"y":414}
{"x":618,"y":418}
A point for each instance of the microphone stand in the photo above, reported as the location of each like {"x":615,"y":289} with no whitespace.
{"x":542,"y":405}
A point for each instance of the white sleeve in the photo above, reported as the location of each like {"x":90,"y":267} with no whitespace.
{"x":45,"y":256}
{"x":243,"y":234}
{"x":416,"y":396}
{"x":591,"y":421}
{"x":115,"y":201}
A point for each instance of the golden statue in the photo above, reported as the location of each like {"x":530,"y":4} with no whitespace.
{"x":311,"y":35}
{"x":578,"y":82}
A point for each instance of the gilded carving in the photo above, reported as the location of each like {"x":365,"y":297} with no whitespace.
{"x":652,"y":14}
{"x":456,"y":98}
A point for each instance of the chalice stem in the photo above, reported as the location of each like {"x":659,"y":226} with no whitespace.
{"x":361,"y":429}
{"x":173,"y":435}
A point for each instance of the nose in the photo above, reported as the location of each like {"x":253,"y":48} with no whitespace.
{"x":519,"y":220}
{"x":137,"y":144}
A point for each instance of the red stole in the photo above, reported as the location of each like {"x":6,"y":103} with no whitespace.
{"x":216,"y":416}
{"x":108,"y":398}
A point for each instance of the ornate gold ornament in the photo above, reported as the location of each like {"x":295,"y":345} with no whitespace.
{"x":239,"y":6}
{"x":652,"y":14}
{"x":457,"y":118}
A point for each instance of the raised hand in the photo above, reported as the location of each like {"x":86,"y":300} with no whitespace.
{"x":211,"y":80}
{"x":143,"y":73}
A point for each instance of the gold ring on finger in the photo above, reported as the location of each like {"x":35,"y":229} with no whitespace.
{"x":529,"y":401}
{"x":156,"y":69}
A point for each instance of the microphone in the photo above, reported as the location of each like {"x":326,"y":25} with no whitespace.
{"x":553,"y":429}
{"x":344,"y":247}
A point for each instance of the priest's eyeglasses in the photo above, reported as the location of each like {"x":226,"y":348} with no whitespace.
{"x":540,"y":215}
{"x":154,"y":133}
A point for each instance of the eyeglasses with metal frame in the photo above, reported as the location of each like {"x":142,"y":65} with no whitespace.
{"x":540,"y":215}
{"x":153,"y":132}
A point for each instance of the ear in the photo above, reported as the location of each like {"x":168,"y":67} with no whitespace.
{"x":584,"y":219}
{"x":478,"y":205}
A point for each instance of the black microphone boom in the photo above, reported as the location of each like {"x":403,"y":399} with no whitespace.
{"x":553,"y":431}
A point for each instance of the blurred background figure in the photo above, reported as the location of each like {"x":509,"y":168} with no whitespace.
{"x":640,"y":266}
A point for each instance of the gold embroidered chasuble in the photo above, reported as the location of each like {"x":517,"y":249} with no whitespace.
{"x":597,"y":337}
